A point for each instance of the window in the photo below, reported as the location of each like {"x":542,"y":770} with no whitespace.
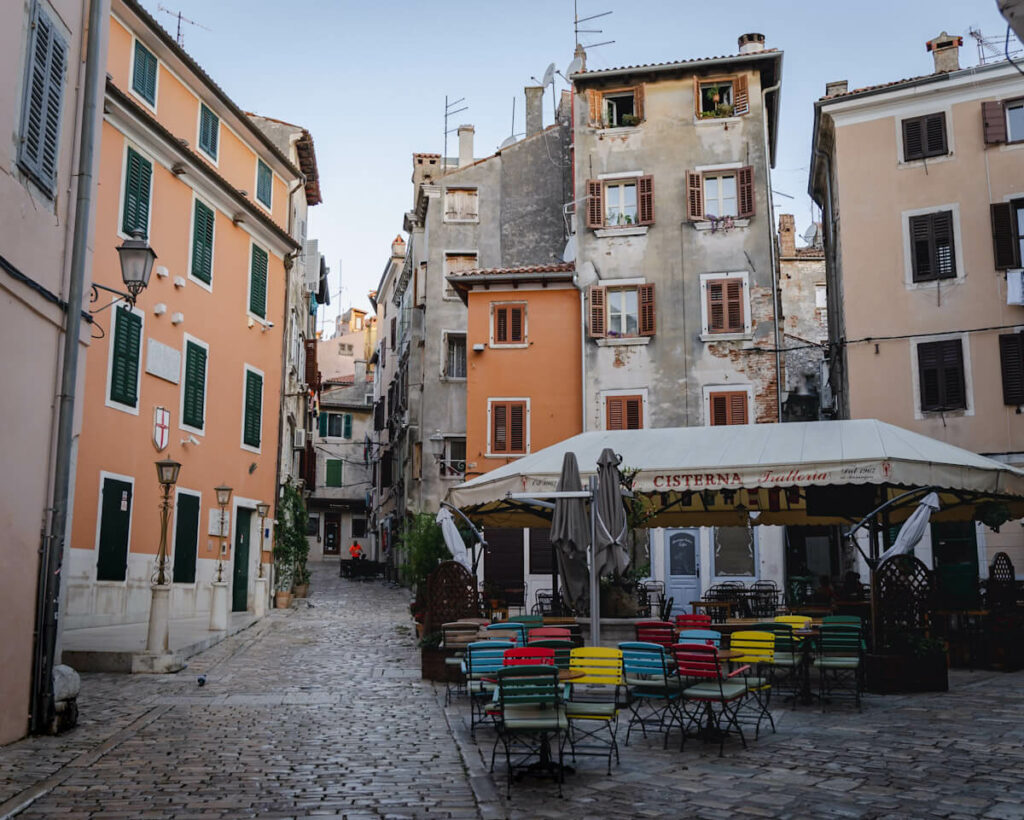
{"x":258,"y":282}
{"x":453,"y":463}
{"x":726,"y":303}
{"x":624,"y":412}
{"x":335,"y":425}
{"x":333,"y":473}
{"x":43,"y":101}
{"x":508,"y":323}
{"x":727,"y":407}
{"x":186,"y":537}
{"x":138,"y":177}
{"x":209,"y":131}
{"x":313,"y":524}
{"x":193,"y":406}
{"x":508,"y":427}
{"x":457,"y":263}
{"x":359,"y":528}
{"x":252,"y":417}
{"x":541,"y":558}
{"x":144,"y":70}
{"x":1003,"y":121}
{"x":455,"y":356}
{"x":715,"y":194}
{"x":617,"y":312}
{"x":1015,"y":121}
{"x":734,"y":552}
{"x":615,"y":107}
{"x":620,"y":202}
{"x":1008,"y":233}
{"x":461,"y":205}
{"x":821,"y":296}
{"x":721,"y":97}
{"x":1011,"y":363}
{"x":931,"y":239}
{"x":924,"y":137}
{"x":126,"y":347}
{"x":940,"y":367}
{"x":264,"y":183}
{"x":202,"y":243}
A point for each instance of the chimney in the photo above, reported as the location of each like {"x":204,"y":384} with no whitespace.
{"x":534,"y":109}
{"x":787,"y":235}
{"x":424,"y":168}
{"x":751,"y":43}
{"x":398,"y":247}
{"x":581,"y":54}
{"x":836,"y":87}
{"x":946,"y":51}
{"x":466,"y":145}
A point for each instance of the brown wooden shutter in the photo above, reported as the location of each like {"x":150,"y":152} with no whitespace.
{"x":645,"y":191}
{"x":500,"y":324}
{"x":935,"y":135}
{"x":734,"y":305}
{"x":913,"y":138}
{"x":953,"y":375}
{"x":499,"y":428}
{"x":308,"y":465}
{"x":647,"y":321}
{"x":737,"y":408}
{"x":993,"y":121}
{"x":614,"y":415}
{"x":597,"y":303}
{"x":694,"y":196}
{"x":745,"y":186}
{"x":634,"y":412}
{"x":716,"y":306}
{"x":740,"y":96}
{"x":1005,"y":246}
{"x":312,"y":372}
{"x":594,"y":106}
{"x":638,"y":102}
{"x":696,"y":96}
{"x":595,"y":203}
{"x":941,"y":375}
{"x":1011,"y":362}
{"x":394,"y":327}
{"x":517,"y":427}
{"x":515,"y":324}
{"x":719,"y":409}
{"x":728,"y":408}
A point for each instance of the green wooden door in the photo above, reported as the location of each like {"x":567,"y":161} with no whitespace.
{"x":186,"y":538}
{"x":115,"y":518}
{"x":240,"y":576}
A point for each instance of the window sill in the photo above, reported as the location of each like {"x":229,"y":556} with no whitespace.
{"x":619,"y":341}
{"x":715,"y":225}
{"x":505,"y":455}
{"x":922,"y":162}
{"x":715,"y":120}
{"x":932,"y":283}
{"x":514,"y":346}
{"x":727,"y":337}
{"x":617,"y":130}
{"x":454,"y":221}
{"x":625,"y":230}
{"x":444,"y":378}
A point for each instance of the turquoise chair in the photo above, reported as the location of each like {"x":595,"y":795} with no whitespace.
{"x":651,"y":687}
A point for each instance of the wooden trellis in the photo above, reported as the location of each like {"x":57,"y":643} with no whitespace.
{"x":903,"y":598}
{"x":1002,"y":584}
{"x":451,"y":594}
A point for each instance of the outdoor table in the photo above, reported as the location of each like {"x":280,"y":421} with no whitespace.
{"x":806,"y":638}
{"x":718,"y":610}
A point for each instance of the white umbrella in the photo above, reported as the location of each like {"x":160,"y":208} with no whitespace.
{"x":453,"y":539}
{"x":913,"y":528}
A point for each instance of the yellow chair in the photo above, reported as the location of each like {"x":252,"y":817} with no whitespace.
{"x":758,"y":648}
{"x":795,"y":621}
{"x":594,"y":698}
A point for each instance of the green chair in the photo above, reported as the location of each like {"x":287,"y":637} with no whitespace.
{"x":562,"y":646}
{"x":839,"y":660}
{"x":481,"y":664}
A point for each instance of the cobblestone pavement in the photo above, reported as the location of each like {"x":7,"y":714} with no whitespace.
{"x":319,"y":711}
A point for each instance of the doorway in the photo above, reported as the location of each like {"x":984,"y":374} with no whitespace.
{"x":682,"y":568}
{"x":240,"y":576}
{"x":332,"y":533}
{"x":115,"y":525}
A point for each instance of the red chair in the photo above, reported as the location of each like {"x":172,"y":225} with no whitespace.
{"x":659,"y":632}
{"x":687,"y":621}
{"x":543,"y":632}
{"x":529,"y":656}
{"x":705,"y":685}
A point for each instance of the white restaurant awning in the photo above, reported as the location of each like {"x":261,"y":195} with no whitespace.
{"x":819,"y":472}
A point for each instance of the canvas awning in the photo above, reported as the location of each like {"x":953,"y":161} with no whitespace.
{"x":805,"y":473}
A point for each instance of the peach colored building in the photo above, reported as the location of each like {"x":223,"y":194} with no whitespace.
{"x":193,"y":370}
{"x":921,"y":182}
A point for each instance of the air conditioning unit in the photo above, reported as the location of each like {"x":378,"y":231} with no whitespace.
{"x":299,"y":440}
{"x":1015,"y":287}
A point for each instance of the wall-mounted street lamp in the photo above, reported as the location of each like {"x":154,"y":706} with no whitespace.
{"x":136,"y":266}
{"x":223,"y":499}
{"x":437,"y":446}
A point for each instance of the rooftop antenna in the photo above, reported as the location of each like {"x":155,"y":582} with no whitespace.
{"x":577,"y":31}
{"x":511,"y":138}
{"x":178,"y":37}
{"x":448,"y":112}
{"x":990,"y":49}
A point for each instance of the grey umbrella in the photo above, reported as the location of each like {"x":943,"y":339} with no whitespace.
{"x":570,"y":534}
{"x":610,"y":527}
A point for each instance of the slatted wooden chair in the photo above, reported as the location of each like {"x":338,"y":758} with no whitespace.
{"x":711,"y":637}
{"x":687,"y":620}
{"x":706,"y":685}
{"x":662,"y":633}
{"x":652,"y":687}
{"x":481,"y":664}
{"x":839,"y":660}
{"x":758,"y":648}
{"x":593,"y":700}
{"x":562,"y":647}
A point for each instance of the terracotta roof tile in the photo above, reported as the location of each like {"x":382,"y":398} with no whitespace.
{"x":853,"y":91}
{"x":556,"y":267}
{"x":695,"y":60}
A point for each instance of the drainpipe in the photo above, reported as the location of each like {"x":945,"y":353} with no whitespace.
{"x":583,"y":353}
{"x":771,"y":244}
{"x":52,"y":549}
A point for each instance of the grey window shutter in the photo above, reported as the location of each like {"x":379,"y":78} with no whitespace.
{"x":43,"y":101}
{"x":993,"y":122}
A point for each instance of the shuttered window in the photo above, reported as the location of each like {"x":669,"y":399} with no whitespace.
{"x":209,"y":131}
{"x":43,"y":101}
{"x":144,"y":74}
{"x":725,"y":306}
{"x":620,"y":203}
{"x":931,"y":240}
{"x":1007,"y":239}
{"x":624,"y":413}
{"x":252,"y":421}
{"x":202,"y":243}
{"x":194,"y":402}
{"x":333,"y":476}
{"x":728,"y":407}
{"x":455,"y":356}
{"x":124,"y":361}
{"x":138,"y":178}
{"x":264,"y":183}
{"x":258,"y":282}
{"x":509,"y":324}
{"x":924,"y":137}
{"x":940,"y":367}
{"x":1011,"y":363}
{"x":622,"y":312}
{"x":508,"y":427}
{"x":720,"y":194}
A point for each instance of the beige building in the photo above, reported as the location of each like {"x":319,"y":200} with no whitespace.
{"x":921,"y":183}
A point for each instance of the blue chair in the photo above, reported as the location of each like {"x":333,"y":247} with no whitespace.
{"x":651,"y":687}
{"x":708,"y":636}
{"x":509,"y":631}
{"x":480,"y":667}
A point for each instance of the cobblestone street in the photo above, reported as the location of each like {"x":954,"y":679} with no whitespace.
{"x":320,"y":711}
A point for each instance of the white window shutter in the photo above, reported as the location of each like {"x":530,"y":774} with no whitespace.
{"x":311,"y":264}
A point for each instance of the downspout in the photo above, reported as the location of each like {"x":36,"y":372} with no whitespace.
{"x":52,"y":549}
{"x":774,"y":256}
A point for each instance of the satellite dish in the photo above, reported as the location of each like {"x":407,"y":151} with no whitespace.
{"x":810,"y":236}
{"x":505,"y":143}
{"x":574,"y":66}
{"x":549,"y":75}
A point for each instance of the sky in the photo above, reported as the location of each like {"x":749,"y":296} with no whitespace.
{"x":369,"y":80}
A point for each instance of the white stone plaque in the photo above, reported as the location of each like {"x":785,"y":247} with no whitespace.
{"x":163,"y":361}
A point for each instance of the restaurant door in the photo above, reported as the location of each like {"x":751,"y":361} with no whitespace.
{"x":503,"y":567}
{"x":682,"y":569}
{"x":332,"y":533}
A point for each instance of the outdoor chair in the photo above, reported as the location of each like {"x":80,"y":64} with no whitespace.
{"x":660,"y":632}
{"x":651,"y":687}
{"x":758,"y":648}
{"x":481,"y":664}
{"x":592,"y":702}
{"x":708,"y":636}
{"x":540,"y":632}
{"x":562,"y":648}
{"x":787,"y":658}
{"x":544,"y":604}
{"x":530,"y":621}
{"x":795,"y":621}
{"x":529,"y":656}
{"x":763,"y":599}
{"x":508,"y":631}
{"x":686,"y":620}
{"x":455,"y":637}
{"x":839,"y":661}
{"x":531,"y":714}
{"x":704,"y":686}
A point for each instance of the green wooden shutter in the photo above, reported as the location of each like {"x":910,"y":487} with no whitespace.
{"x":43,"y":102}
{"x":346,"y":429}
{"x":264,"y":183}
{"x":209,"y":126}
{"x":202,"y":243}
{"x":323,"y":425}
{"x":253,"y":409}
{"x":124,"y":365}
{"x":258,"y":282}
{"x":192,"y":412}
{"x":138,"y":175}
{"x":333,"y":472}
{"x":186,"y":538}
{"x":144,"y":81}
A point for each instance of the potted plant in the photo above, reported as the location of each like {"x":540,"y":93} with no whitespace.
{"x":630,"y":119}
{"x":291,"y":549}
{"x":909,"y":663}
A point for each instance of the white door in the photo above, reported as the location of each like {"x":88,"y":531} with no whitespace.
{"x":682,"y":568}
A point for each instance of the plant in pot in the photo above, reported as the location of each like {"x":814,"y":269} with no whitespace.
{"x":423,"y":548}
{"x":909,"y":662}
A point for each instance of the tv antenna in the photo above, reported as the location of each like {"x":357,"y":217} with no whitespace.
{"x":511,"y":138}
{"x":448,"y":112}
{"x":990,"y":49}
{"x":181,"y":19}
{"x":577,"y":31}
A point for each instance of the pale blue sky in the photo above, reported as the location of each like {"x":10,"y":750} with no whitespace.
{"x":368,"y":79}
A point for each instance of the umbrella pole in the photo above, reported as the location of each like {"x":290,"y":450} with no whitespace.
{"x":595,"y":598}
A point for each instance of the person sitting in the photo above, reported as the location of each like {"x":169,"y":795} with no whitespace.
{"x":825,"y":594}
{"x":355,"y":551}
{"x":852,"y":589}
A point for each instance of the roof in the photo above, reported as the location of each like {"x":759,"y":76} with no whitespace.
{"x":525,"y":270}
{"x":676,"y":64}
{"x":463,"y":281}
{"x":307,"y":162}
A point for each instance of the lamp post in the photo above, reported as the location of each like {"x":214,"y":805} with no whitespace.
{"x":223,"y":499}
{"x":219,"y":602}
{"x":157,"y":639}
{"x":260,"y":598}
{"x":167,"y":473}
{"x":136,"y":258}
{"x":437,"y":448}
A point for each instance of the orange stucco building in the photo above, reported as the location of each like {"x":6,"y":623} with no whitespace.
{"x":195,"y":365}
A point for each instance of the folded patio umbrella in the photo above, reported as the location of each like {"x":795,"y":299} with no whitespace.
{"x":610,"y":548}
{"x":913,"y":528}
{"x":452,"y":538}
{"x":570,"y":534}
